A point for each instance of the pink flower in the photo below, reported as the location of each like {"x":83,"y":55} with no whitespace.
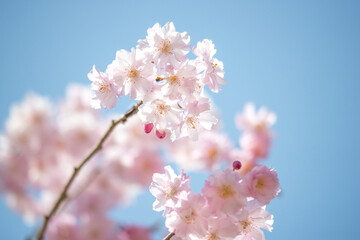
{"x":132,"y":74}
{"x":167,"y":187}
{"x":251,"y":219}
{"x":187,"y":218}
{"x":163,"y":114}
{"x":224,"y":192}
{"x":63,"y":227}
{"x":146,"y":163}
{"x":252,"y":121}
{"x":179,"y":83}
{"x":166,"y":45}
{"x":220,"y":228}
{"x":262,"y":184}
{"x":106,"y":91}
{"x":97,"y":228}
{"x":197,"y":118}
{"x":207,"y":153}
{"x":213,"y":73}
{"x":258,"y":144}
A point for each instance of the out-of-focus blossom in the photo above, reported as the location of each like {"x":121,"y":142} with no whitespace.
{"x":262,"y":184}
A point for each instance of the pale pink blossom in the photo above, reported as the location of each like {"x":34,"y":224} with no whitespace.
{"x":145,"y":164}
{"x":262,"y":184}
{"x":97,"y":228}
{"x":132,"y":74}
{"x":77,"y":100}
{"x":179,"y":83}
{"x":252,"y":121}
{"x":166,"y":45}
{"x":63,"y":227}
{"x":197,"y":117}
{"x":258,"y":144}
{"x":251,"y":219}
{"x":187,"y":218}
{"x":162,"y":114}
{"x":167,"y":187}
{"x":213,"y":73}
{"x":106,"y":92}
{"x":221,"y":228}
{"x":211,"y":149}
{"x":224,"y":192}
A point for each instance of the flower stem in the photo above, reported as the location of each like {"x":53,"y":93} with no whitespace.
{"x":170,"y":235}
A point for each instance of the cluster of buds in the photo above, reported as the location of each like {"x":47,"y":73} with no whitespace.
{"x":171,"y":87}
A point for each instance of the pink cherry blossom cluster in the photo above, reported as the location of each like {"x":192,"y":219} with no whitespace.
{"x":41,"y":144}
{"x":229,"y":207}
{"x":232,"y":202}
{"x":170,"y":85}
{"x":255,"y":142}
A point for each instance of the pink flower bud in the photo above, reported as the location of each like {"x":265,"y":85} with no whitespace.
{"x":148,"y":127}
{"x":160,"y":135}
{"x":236,"y":165}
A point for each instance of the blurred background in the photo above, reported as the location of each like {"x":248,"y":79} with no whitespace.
{"x":299,"y":58}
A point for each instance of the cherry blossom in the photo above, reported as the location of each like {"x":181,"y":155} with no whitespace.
{"x":251,"y":219}
{"x":106,"y":91}
{"x":166,"y":45}
{"x":132,"y":74}
{"x":262,"y":184}
{"x":167,"y":188}
{"x":187,"y":218}
{"x":253,"y":121}
{"x":224,"y":191}
{"x":212,"y":68}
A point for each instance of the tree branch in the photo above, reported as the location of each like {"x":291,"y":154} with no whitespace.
{"x":170,"y":235}
{"x":77,"y":169}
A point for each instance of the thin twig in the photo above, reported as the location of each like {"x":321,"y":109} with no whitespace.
{"x":170,"y":235}
{"x":77,"y":169}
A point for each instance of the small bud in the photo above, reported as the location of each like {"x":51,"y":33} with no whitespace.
{"x":148,"y":127}
{"x":160,"y":135}
{"x":236,"y":165}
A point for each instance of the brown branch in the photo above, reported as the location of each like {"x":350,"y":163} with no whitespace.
{"x":170,"y":235}
{"x":77,"y":169}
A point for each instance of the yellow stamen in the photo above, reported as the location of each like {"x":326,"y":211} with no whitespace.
{"x":225,"y":191}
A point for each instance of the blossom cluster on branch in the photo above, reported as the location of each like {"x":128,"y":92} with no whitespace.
{"x":232,"y":202}
{"x":43,"y":143}
{"x":170,"y":85}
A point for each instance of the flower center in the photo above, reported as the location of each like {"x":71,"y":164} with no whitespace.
{"x":192,"y":122}
{"x":225,"y":191}
{"x":260,"y":183}
{"x":246,"y":226}
{"x":190,"y":218}
{"x":212,"y":236}
{"x":104,"y":86}
{"x":165,"y":47}
{"x":174,"y":80}
{"x":163,"y":109}
{"x":133,"y":73}
{"x":171,"y":192}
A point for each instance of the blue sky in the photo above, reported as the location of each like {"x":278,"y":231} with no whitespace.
{"x":298,"y":58}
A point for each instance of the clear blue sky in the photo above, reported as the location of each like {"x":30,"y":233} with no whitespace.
{"x":299,"y":58}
